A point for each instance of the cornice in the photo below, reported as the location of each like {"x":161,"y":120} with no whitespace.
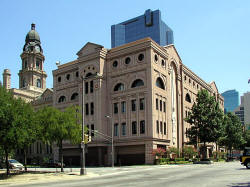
{"x":196,"y":78}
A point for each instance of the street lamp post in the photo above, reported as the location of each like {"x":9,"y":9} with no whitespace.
{"x":112,"y":141}
{"x":83,"y":169}
{"x":93,"y":76}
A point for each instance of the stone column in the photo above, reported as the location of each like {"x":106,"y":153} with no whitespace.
{"x":149,"y":158}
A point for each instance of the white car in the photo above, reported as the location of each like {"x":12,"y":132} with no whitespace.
{"x":14,"y":164}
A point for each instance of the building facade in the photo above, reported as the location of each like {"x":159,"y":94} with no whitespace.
{"x":231,"y":100}
{"x":148,"y":25}
{"x":138,"y":93}
{"x":144,"y":88}
{"x":243,"y":111}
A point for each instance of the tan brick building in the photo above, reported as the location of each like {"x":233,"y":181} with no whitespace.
{"x":144,"y":88}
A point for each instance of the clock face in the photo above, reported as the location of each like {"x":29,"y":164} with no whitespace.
{"x":37,"y":48}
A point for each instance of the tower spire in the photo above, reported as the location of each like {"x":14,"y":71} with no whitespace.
{"x":33,"y":26}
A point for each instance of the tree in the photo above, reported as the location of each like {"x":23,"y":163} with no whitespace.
{"x":7,"y":127}
{"x":28,"y":128}
{"x":246,"y":136}
{"x":15,"y":123}
{"x":60,"y":125}
{"x":233,"y":136}
{"x":206,"y":121}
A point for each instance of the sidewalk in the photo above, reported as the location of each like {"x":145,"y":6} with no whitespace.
{"x":40,"y":175}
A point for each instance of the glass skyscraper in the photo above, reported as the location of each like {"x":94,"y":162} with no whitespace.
{"x":147,"y":25}
{"x":231,"y":100}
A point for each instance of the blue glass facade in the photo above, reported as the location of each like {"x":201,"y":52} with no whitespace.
{"x":147,"y":25}
{"x":231,"y":100}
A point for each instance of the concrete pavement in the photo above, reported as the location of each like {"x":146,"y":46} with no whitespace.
{"x":217,"y":174}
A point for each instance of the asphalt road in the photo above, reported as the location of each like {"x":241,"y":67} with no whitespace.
{"x":218,"y":174}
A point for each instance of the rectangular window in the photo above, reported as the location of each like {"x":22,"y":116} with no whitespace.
{"x":133,"y":105}
{"x":142,"y":103}
{"x":91,"y":86}
{"x":92,"y":130}
{"x":134,"y":127}
{"x":115,"y":108}
{"x":123,"y":129}
{"x":165,"y":128}
{"x":47,"y":148}
{"x":142,"y":126}
{"x":156,"y":104}
{"x":87,"y":130}
{"x":160,"y":105}
{"x":164,"y":106}
{"x":116,"y":129}
{"x":86,"y":87}
{"x":30,"y":149}
{"x":37,"y":147}
{"x":161,"y":126}
{"x":87,"y":109}
{"x":41,"y":150}
{"x":157,"y":126}
{"x":123,"y":107}
{"x":38,"y":64}
{"x":92,"y":108}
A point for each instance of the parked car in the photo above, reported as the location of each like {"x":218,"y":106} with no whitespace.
{"x":14,"y":164}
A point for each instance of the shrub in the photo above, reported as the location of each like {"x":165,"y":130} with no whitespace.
{"x":158,"y":152}
{"x":174,"y":150}
{"x":179,"y":159}
{"x":188,"y":152}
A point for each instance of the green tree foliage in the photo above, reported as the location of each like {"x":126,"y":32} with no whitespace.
{"x":28,"y":127}
{"x":8,"y":134}
{"x":246,"y":136}
{"x":16,"y":124}
{"x":206,"y":121}
{"x":58,"y":126}
{"x":233,"y":134}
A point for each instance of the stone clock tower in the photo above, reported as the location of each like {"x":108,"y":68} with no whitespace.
{"x":32,"y":75}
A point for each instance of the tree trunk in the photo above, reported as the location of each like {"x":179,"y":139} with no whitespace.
{"x":6,"y":161}
{"x":25,"y":159}
{"x":61,"y":155}
{"x":204,"y":151}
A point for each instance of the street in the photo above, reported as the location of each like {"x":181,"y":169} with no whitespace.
{"x":218,"y":174}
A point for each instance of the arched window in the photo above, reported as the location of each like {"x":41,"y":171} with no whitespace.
{"x":119,"y":87}
{"x":159,"y":83}
{"x":24,"y":83}
{"x":188,"y":98}
{"x":88,"y":75}
{"x":137,"y":82}
{"x":38,"y":83}
{"x":62,"y":99}
{"x":74,"y":96}
{"x":25,"y":64}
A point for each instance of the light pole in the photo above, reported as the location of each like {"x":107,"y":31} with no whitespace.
{"x":83,"y":169}
{"x":112,"y":141}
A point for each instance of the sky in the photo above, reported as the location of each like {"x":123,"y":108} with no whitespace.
{"x":212,"y":37}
